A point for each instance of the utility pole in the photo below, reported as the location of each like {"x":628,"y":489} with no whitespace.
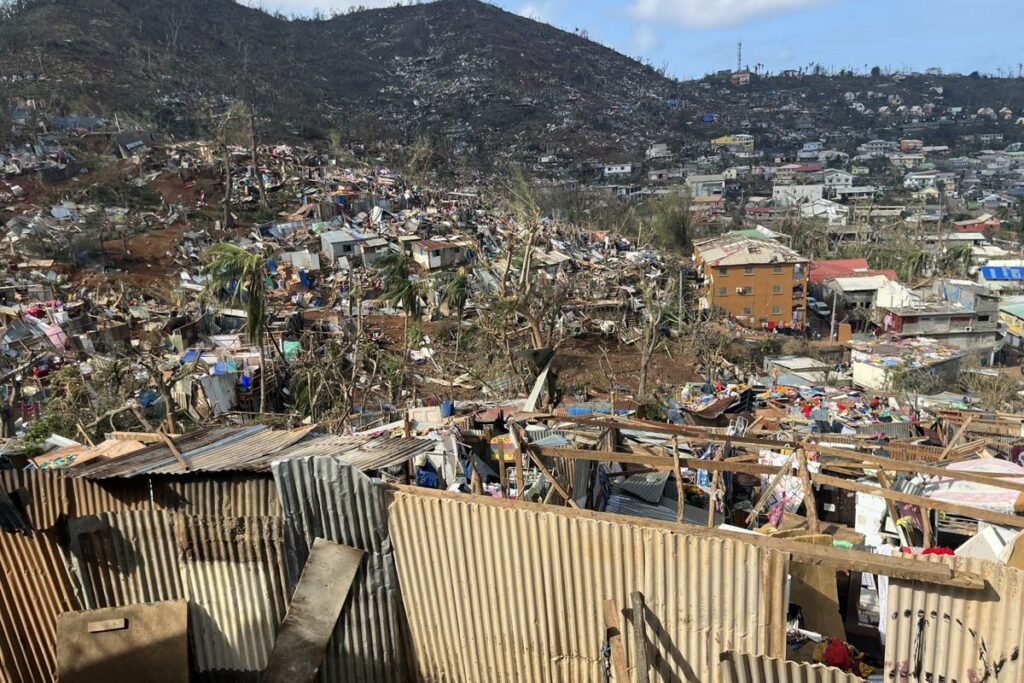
{"x":739,"y":56}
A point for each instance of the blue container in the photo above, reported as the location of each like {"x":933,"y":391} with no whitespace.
{"x":446,"y":408}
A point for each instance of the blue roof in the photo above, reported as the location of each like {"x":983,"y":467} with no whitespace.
{"x":1002,"y":273}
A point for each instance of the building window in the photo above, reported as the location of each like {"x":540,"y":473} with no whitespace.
{"x":723,"y":291}
{"x":747,"y":310}
{"x":748,"y":270}
{"x":776,"y":310}
{"x":723,"y":270}
{"x":434,"y":253}
{"x":777,"y":268}
{"x":776,"y":289}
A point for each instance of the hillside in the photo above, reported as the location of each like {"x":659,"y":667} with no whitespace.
{"x":493,"y":79}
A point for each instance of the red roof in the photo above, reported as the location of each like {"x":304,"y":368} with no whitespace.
{"x":848,"y":267}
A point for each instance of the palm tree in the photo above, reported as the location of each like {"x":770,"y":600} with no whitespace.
{"x":916,"y":263}
{"x":400,"y":288}
{"x":244,"y":275}
{"x":455,"y":296}
{"x":959,"y":260}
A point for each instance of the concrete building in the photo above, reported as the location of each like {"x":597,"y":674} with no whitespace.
{"x":436,"y":254}
{"x":706,"y":185}
{"x":759,"y":282}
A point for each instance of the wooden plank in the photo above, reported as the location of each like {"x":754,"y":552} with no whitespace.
{"x":174,"y":451}
{"x":640,"y":637}
{"x":107,"y":625}
{"x":956,"y":438}
{"x":814,"y":589}
{"x":313,"y":612}
{"x":554,"y":482}
{"x":680,"y":489}
{"x":953,"y":508}
{"x":890,"y":506}
{"x":142,"y":437}
{"x":613,"y":635}
{"x":810,"y":502}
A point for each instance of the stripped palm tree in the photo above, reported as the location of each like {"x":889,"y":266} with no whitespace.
{"x":243,"y":275}
{"x":400,"y":289}
{"x":455,"y":296}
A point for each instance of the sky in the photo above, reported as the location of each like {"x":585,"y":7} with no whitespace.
{"x":693,"y":37}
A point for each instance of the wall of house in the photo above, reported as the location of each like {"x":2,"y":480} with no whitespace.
{"x":759,"y":306}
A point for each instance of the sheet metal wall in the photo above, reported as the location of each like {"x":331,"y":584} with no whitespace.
{"x":35,"y":585}
{"x":229,"y":569}
{"x":323,"y":497}
{"x":549,"y":573}
{"x":938,"y":633}
{"x":745,"y":668}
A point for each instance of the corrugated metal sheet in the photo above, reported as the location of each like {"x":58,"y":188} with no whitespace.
{"x":745,"y":668}
{"x":44,"y":493}
{"x":893,"y":430}
{"x":323,"y":497}
{"x":547,"y":573}
{"x":939,"y":633}
{"x":359,"y":451}
{"x":124,"y":558}
{"x":230,"y":569}
{"x":34,"y":589}
{"x":233,"y":574}
{"x":96,"y":496}
{"x":648,"y":486}
{"x":154,"y":456}
{"x":233,"y":494}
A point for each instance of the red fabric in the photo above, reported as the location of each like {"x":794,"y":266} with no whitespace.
{"x":838,"y":655}
{"x":806,"y":411}
{"x":937,"y":551}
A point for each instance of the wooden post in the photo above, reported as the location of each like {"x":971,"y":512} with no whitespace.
{"x":809,"y":500}
{"x":554,"y":482}
{"x":520,"y":476}
{"x":640,"y":637}
{"x":680,"y":491}
{"x":613,"y":636}
{"x":956,"y":438}
{"x":890,"y":506}
{"x":174,"y":451}
{"x":502,"y":473}
{"x":410,"y":465}
{"x":752,"y":517}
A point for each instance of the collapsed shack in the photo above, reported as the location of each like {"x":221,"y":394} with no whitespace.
{"x":226,"y":520}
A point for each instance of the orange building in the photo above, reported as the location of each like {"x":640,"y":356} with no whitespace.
{"x":759,"y":282}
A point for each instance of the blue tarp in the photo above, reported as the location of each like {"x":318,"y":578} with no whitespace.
{"x":1002,"y":272}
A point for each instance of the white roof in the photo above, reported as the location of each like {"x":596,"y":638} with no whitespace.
{"x":860,"y":283}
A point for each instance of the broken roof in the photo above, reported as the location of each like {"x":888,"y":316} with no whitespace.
{"x":738,"y":250}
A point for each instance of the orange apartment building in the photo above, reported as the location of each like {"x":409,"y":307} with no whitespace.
{"x":760,"y":282}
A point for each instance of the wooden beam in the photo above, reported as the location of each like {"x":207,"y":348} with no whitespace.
{"x":952,"y":508}
{"x":680,"y":489}
{"x":956,"y":438}
{"x":142,"y":437}
{"x":613,"y":636}
{"x":809,"y":499}
{"x":640,"y":637}
{"x":554,"y":482}
{"x":174,"y":451}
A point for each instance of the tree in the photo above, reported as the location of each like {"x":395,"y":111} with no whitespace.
{"x":455,"y":296}
{"x":657,"y":303}
{"x":400,"y":289}
{"x":958,"y":260}
{"x":876,"y":71}
{"x":243,"y":274}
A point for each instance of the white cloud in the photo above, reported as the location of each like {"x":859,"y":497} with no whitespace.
{"x":539,"y":10}
{"x":711,"y":13}
{"x":645,"y":39}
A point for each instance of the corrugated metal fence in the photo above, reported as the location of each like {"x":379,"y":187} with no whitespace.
{"x":501,"y":591}
{"x":745,"y":668}
{"x":938,"y":633}
{"x":323,"y":497}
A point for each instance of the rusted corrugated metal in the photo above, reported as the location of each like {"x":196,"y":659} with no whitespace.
{"x":34,"y":589}
{"x":96,"y":496}
{"x":503,"y":591}
{"x":232,"y":494}
{"x":124,"y":558}
{"x":44,"y":494}
{"x":230,"y":569}
{"x":745,"y":668}
{"x":359,"y":451}
{"x":233,"y":574}
{"x":154,"y":456}
{"x":323,"y":497}
{"x":937,"y":633}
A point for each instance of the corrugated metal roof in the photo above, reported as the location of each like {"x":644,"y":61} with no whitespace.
{"x":323,"y":497}
{"x":548,"y":572}
{"x":364,"y":453}
{"x":45,"y":495}
{"x":648,"y":486}
{"x":939,"y":633}
{"x":35,"y":588}
{"x":746,"y":668}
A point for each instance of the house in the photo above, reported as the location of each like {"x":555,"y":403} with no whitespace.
{"x":617,"y":169}
{"x":985,"y":221}
{"x":810,"y":151}
{"x":658,"y":151}
{"x":706,"y":185}
{"x":908,"y":145}
{"x":854,"y":193}
{"x":436,"y":254}
{"x":786,"y":196}
{"x":831,"y":212}
{"x":740,"y":78}
{"x":1012,"y":317}
{"x":877,"y":148}
{"x":372,"y":249}
{"x":349,"y":244}
{"x":759,"y":282}
{"x":922,"y":179}
{"x":835,"y":177}
{"x":1004,"y":276}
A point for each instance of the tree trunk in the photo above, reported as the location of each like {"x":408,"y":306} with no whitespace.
{"x":227,"y":185}
{"x":263,"y":377}
{"x":255,"y":159}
